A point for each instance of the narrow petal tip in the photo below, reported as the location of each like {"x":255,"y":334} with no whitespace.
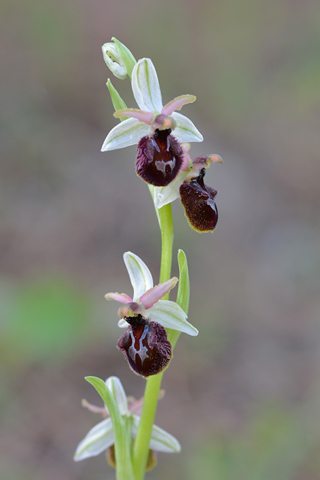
{"x":118,"y":297}
{"x":153,"y":295}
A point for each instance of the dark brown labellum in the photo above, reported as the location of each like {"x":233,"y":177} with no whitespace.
{"x":159,"y":158}
{"x":145,"y":346}
{"x":199,"y":205}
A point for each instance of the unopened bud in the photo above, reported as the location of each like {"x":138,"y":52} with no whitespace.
{"x":118,"y":58}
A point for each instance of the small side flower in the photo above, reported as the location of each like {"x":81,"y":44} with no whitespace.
{"x":198,"y":199}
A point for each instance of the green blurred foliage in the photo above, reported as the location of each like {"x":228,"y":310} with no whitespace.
{"x":44,"y":321}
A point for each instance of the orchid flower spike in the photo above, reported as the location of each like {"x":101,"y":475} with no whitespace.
{"x":160,"y":156}
{"x":101,"y":437}
{"x":146,"y":315}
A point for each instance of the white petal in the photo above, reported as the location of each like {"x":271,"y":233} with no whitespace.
{"x":98,"y":439}
{"x":161,"y":441}
{"x":170,"y":315}
{"x":145,"y":86}
{"x":124,"y":134}
{"x":185,"y":130}
{"x":115,"y":386}
{"x":140,"y":275}
{"x":164,"y":195}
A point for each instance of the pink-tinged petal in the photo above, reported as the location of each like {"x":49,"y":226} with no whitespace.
{"x":215,"y":158}
{"x":145,"y":86}
{"x":153,"y":295}
{"x":118,"y":297}
{"x":141,"y":115}
{"x":177,"y":103}
{"x":187,"y":160}
{"x":93,"y":408}
{"x":135,"y":406}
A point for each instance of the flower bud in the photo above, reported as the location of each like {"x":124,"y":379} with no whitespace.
{"x":118,"y":58}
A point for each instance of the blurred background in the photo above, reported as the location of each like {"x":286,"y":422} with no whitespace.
{"x":244,"y":396}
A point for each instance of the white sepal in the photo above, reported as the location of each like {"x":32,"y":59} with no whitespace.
{"x":161,"y":441}
{"x":115,"y":386}
{"x":170,"y":315}
{"x":185,"y":130}
{"x":140,"y":275}
{"x":97,"y":440}
{"x":145,"y":86}
{"x":126,"y":133}
{"x":164,"y":195}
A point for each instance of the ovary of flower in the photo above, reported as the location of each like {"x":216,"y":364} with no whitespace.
{"x":147,"y":93}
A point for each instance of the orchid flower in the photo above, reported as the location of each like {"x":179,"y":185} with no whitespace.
{"x":147,"y":93}
{"x":160,"y":156}
{"x":196,"y":197}
{"x":146,"y":316}
{"x":101,"y":437}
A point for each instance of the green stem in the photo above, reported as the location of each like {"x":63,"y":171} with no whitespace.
{"x":166,"y":227}
{"x":151,"y":395}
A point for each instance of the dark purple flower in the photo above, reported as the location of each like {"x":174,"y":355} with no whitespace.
{"x":146,"y":317}
{"x":198,"y":199}
{"x":145,"y":346}
{"x":159,"y":158}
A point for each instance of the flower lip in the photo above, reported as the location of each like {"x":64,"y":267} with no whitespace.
{"x":198,"y":199}
{"x":159,"y":158}
{"x":145,"y":346}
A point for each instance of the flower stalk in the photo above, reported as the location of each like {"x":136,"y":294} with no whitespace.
{"x":151,"y":394}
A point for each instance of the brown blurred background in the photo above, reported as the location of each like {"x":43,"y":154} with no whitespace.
{"x":243,"y":397}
